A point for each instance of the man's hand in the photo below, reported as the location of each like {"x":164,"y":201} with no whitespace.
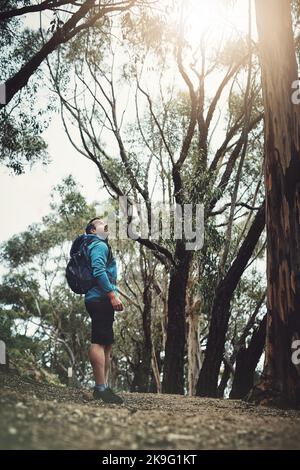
{"x":115,"y":301}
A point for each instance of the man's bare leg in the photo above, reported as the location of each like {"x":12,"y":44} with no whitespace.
{"x":100,"y":360}
{"x":107,"y":353}
{"x":97,"y":359}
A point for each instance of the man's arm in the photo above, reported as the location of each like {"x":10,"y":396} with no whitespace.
{"x":99,"y":255}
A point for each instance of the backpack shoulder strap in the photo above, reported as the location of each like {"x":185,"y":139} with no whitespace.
{"x":110,"y":255}
{"x":89,"y":240}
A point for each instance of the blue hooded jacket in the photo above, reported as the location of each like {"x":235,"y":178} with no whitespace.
{"x":99,"y":252}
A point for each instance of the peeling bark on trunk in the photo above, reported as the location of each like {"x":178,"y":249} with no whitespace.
{"x":156,"y":372}
{"x":280,"y":384}
{"x":193,"y":344}
{"x":193,"y":353}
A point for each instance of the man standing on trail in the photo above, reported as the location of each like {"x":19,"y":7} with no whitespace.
{"x":101,"y":301}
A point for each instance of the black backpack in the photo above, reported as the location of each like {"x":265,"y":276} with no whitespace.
{"x":78,"y":271}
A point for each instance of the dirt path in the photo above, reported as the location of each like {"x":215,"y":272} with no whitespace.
{"x":39,"y":416}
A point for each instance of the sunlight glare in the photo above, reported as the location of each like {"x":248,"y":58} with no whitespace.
{"x":216,"y":19}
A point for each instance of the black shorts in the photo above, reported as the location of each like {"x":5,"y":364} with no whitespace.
{"x":103,"y":316}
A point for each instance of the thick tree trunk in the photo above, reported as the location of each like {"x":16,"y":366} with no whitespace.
{"x":280,"y":384}
{"x":208,"y":379}
{"x":173,"y":375}
{"x":246,"y":362}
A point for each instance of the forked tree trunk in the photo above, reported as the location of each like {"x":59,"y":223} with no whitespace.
{"x":280,"y":384}
{"x":207,"y":384}
{"x":246,"y":362}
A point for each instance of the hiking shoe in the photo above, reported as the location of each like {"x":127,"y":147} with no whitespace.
{"x":108,"y":396}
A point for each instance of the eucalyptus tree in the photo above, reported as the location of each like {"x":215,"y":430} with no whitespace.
{"x":30,"y":31}
{"x":168,"y":149}
{"x":280,"y":383}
